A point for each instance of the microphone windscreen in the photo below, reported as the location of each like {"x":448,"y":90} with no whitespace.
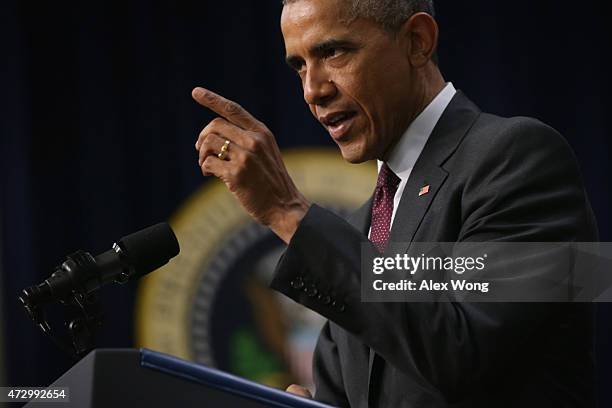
{"x":150,"y":248}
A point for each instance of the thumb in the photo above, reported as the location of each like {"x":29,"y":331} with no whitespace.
{"x":299,"y":390}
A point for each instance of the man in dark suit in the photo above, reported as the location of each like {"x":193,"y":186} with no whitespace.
{"x":447,"y":173}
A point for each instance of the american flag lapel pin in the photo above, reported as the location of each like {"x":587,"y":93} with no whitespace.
{"x":424,"y":190}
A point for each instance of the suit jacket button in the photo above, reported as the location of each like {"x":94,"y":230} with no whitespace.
{"x":297,"y":283}
{"x":325,"y":299}
{"x":339,"y":305}
{"x":311,"y":291}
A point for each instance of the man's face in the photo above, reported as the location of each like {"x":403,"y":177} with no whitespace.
{"x":356,"y":77}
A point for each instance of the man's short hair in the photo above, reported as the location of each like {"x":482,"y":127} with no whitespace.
{"x":390,"y":14}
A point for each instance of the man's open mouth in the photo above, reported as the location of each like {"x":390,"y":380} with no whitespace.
{"x":338,"y":123}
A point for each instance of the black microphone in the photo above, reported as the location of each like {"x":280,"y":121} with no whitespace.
{"x":133,"y":256}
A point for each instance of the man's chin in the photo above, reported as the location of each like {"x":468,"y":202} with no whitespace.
{"x":353,"y":154}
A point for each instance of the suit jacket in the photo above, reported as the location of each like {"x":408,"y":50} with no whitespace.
{"x":491,"y":179}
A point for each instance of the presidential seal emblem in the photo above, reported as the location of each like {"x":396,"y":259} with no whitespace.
{"x":211,"y":304}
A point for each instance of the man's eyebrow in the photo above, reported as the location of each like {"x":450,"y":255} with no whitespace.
{"x":319,"y":49}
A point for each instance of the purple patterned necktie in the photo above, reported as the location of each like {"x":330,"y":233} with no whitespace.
{"x":382,"y":209}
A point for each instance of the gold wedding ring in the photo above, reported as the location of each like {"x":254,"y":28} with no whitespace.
{"x":224,"y":149}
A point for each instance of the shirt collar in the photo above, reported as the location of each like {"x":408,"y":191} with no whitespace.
{"x":408,"y":149}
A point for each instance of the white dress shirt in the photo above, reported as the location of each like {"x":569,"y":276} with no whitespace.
{"x":408,"y":149}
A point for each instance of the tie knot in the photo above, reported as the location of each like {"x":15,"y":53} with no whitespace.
{"x":387,"y":178}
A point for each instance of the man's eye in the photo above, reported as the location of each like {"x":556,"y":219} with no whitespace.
{"x":333,"y":52}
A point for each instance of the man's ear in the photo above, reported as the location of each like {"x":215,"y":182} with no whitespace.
{"x":420,"y":34}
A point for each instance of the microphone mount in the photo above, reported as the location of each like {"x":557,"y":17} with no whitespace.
{"x":81,"y":306}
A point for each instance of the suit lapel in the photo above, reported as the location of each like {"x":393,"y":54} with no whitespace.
{"x":413,"y":207}
{"x":428,"y":173}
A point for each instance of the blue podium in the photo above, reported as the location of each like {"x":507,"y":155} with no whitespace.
{"x":143,"y":378}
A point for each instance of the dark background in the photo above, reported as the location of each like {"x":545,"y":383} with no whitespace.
{"x":97,"y":123}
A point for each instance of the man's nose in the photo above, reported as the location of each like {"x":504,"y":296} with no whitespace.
{"x":318,"y":88}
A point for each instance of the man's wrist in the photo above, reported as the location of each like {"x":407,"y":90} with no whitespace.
{"x":285,"y":222}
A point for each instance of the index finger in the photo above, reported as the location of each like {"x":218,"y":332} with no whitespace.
{"x":230,"y":110}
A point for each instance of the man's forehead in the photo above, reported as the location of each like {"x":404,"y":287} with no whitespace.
{"x":310,"y":21}
{"x":339,"y":5}
{"x":303,"y":12}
